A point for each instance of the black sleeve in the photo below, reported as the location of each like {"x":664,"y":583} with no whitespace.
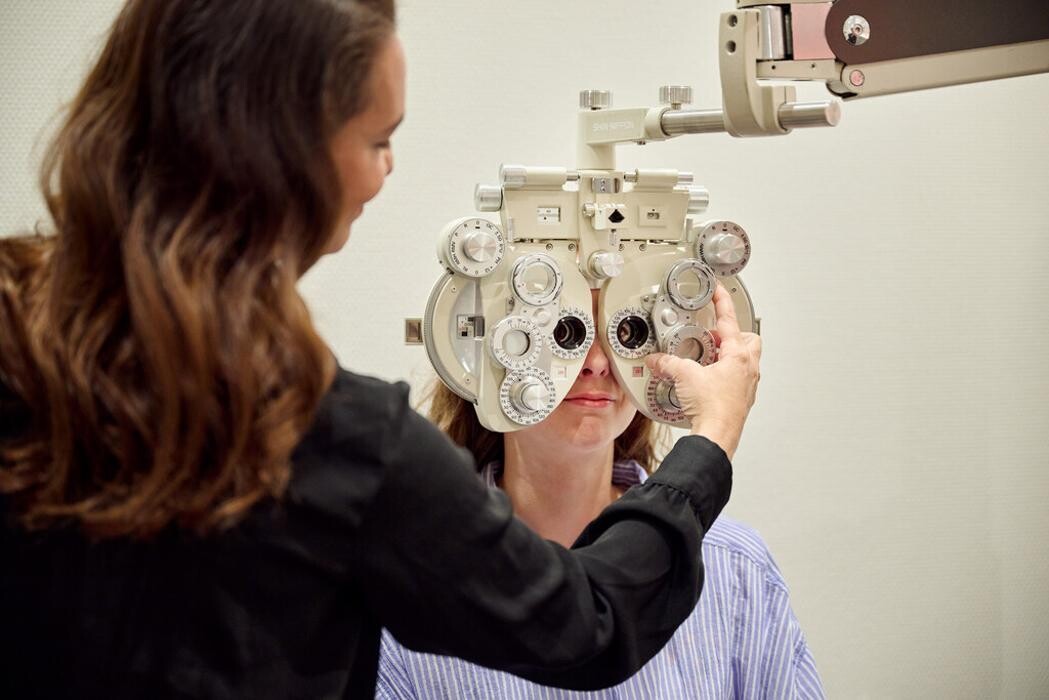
{"x":446,"y":567}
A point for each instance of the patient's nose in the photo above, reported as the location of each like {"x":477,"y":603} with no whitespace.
{"x":596,"y":362}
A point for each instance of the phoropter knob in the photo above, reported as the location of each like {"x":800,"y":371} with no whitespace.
{"x":488,"y":197}
{"x":724,"y":249}
{"x":666,"y":397}
{"x":605,"y":264}
{"x":529,"y":395}
{"x":472,"y":247}
{"x":675,"y":95}
{"x":595,"y":99}
{"x":725,"y":246}
{"x":480,"y":246}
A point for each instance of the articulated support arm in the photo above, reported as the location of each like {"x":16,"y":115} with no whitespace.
{"x":858,"y":48}
{"x":861,"y":48}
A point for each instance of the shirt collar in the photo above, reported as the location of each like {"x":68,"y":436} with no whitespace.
{"x":624,"y":474}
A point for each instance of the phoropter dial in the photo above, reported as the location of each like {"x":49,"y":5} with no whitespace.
{"x":527,"y":396}
{"x":692,"y":343}
{"x":573,"y":335}
{"x":537,"y":279}
{"x":724,"y":246}
{"x":516,"y":343}
{"x":690,"y":284}
{"x":663,"y":402}
{"x":630,"y":333}
{"x":473,"y":247}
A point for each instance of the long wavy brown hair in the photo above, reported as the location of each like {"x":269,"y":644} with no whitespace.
{"x":643,"y":440}
{"x":157,"y":365}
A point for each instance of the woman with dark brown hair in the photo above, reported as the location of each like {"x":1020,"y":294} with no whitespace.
{"x":196,"y":501}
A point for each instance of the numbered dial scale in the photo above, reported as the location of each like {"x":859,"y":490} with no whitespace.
{"x":692,"y":343}
{"x":516,"y":342}
{"x":662,"y":402}
{"x":725,"y":246}
{"x":527,"y":396}
{"x":472,"y":247}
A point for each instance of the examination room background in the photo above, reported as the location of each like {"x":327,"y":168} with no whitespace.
{"x":897,"y":460}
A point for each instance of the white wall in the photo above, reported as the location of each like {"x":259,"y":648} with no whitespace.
{"x":896,"y":461}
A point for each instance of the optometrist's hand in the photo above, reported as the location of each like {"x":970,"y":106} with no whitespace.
{"x":717,"y":397}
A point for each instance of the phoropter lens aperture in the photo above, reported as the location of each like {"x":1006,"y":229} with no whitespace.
{"x":632,"y":332}
{"x":570,"y":333}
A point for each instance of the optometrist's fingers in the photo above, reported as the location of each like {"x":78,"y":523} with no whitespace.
{"x":664,"y":366}
{"x":725,"y":316}
{"x":716,"y":397}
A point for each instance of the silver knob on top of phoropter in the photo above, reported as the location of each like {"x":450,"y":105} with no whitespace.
{"x":488,"y":197}
{"x":513,"y":176}
{"x":725,"y":246}
{"x":595,"y":99}
{"x":675,"y":95}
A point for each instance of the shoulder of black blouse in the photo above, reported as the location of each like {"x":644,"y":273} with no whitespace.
{"x":339,"y":464}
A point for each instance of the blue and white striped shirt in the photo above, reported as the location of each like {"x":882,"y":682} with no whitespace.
{"x":741,"y":641}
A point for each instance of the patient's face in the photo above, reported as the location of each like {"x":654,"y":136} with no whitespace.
{"x":594,"y":412}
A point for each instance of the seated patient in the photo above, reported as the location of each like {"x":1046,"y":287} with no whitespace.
{"x":742,"y":640}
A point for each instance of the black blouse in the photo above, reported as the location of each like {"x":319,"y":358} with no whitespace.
{"x":385,"y":523}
